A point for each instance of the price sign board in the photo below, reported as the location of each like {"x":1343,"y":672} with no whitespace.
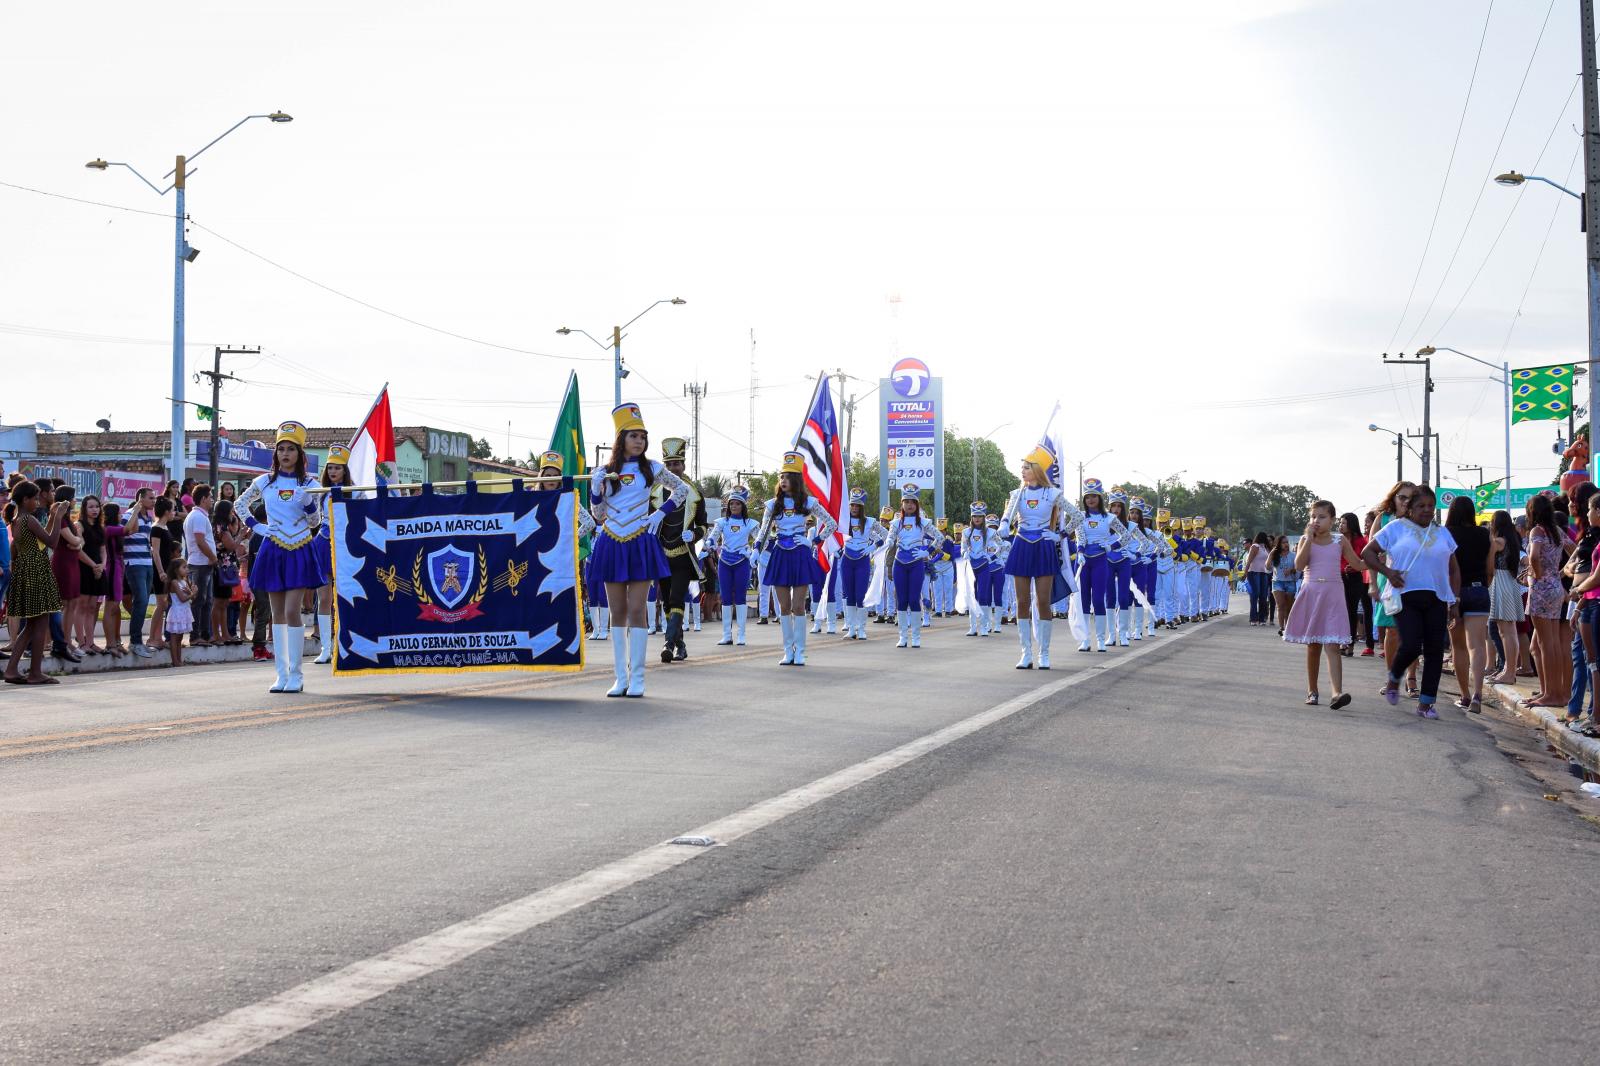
{"x":911,"y":433}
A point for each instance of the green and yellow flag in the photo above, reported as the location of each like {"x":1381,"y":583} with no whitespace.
{"x":1541,"y":392}
{"x":567,"y":438}
{"x":1483,"y":496}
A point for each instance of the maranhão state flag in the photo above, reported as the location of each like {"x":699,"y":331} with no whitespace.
{"x":372,"y":448}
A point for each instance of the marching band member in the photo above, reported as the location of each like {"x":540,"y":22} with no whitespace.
{"x":794,"y":564}
{"x":911,"y":538}
{"x":287,"y":564}
{"x":943,"y":586}
{"x":1164,"y":552}
{"x":1145,"y":548}
{"x":999,"y":587}
{"x":336,"y":471}
{"x":1036,"y":512}
{"x":733,"y":536}
{"x":980,"y":547}
{"x":627,"y":553}
{"x":684,"y":526}
{"x":1191,"y":571}
{"x":1099,"y":534}
{"x":551,"y":466}
{"x":886,"y":609}
{"x":852,"y":570}
{"x":1121,"y":558}
{"x":764,"y":595}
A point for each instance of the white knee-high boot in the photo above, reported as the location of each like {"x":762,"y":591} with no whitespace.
{"x":1025,"y":638}
{"x":727,"y":626}
{"x":638,"y":640}
{"x":1138,"y":620}
{"x":294,"y":647}
{"x":602,"y":623}
{"x":1102,"y":626}
{"x":1122,"y":627}
{"x":786,"y":622}
{"x":800,"y":643}
{"x":904,"y":621}
{"x":619,"y":663}
{"x":280,"y":657}
{"x":1042,"y":630}
{"x":324,"y":639}
{"x":740,"y":613}
{"x":917,"y":622}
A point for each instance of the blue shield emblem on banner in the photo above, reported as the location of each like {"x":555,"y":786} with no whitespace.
{"x":450,"y":572}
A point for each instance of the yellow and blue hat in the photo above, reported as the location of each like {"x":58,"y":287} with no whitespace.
{"x":1041,"y":457}
{"x":555,"y":459}
{"x":627,"y":416}
{"x":674,"y":449}
{"x":1136,"y":503}
{"x":941,"y":523}
{"x":294,"y":433}
{"x":1092,"y":487}
{"x":338,"y":453}
{"x":794,"y":463}
{"x":739,"y":494}
{"x":885,"y":515}
{"x":1163,"y":516}
{"x":979,"y":508}
{"x":1117,"y":496}
{"x":993,"y":521}
{"x":908,"y":491}
{"x":858,"y":496}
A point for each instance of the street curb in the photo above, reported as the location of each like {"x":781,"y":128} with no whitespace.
{"x":1573,"y":745}
{"x":100,"y":664}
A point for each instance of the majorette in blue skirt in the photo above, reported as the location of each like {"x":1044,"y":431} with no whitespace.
{"x":288,"y":560}
{"x":1040,"y":514}
{"x":626,"y":549}
{"x":794,"y":563}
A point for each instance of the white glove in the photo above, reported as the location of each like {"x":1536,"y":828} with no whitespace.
{"x":653,"y":523}
{"x":688,"y":536}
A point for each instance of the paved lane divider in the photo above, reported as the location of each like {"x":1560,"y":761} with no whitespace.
{"x":251,"y":1028}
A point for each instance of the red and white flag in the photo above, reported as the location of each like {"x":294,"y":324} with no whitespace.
{"x":372,"y":448}
{"x":826,"y":471}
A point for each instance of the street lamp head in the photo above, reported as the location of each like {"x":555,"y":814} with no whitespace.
{"x":1373,"y":427}
{"x":564,"y":331}
{"x":1427,"y":350}
{"x":97,"y":164}
{"x":1510,"y":179}
{"x":679,"y":300}
{"x":279,"y":116}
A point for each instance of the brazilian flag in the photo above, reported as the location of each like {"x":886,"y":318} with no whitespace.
{"x":1542,"y":393}
{"x":567,"y":438}
{"x":1484,"y":495}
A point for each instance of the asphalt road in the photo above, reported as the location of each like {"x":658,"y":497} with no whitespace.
{"x":1167,"y":859}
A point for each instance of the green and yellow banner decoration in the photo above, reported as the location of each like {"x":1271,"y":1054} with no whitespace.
{"x":1541,"y":393}
{"x":1484,"y":495}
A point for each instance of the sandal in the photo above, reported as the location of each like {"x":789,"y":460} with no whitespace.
{"x":1311,"y":699}
{"x":1341,"y":701}
{"x":1476,"y":706}
{"x":1412,"y":692}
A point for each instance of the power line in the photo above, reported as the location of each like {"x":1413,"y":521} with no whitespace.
{"x":1445,"y":184}
{"x":1484,"y":185}
{"x":167,"y":215}
{"x":395,"y":314}
{"x":1555,"y":211}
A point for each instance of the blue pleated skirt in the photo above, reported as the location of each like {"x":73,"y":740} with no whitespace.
{"x":792,"y":567}
{"x":322,"y":552}
{"x":618,"y":562}
{"x":279,"y":569}
{"x":1039,"y":558}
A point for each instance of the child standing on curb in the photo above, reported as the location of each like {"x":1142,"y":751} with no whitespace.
{"x":180,"y":616}
{"x":1318,"y":618}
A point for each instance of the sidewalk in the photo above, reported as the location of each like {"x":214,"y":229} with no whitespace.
{"x":1548,"y":720}
{"x":96,"y":664}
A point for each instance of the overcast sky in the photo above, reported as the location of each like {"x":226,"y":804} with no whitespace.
{"x":1142,"y":210}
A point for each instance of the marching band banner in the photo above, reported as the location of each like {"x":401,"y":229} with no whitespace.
{"x":445,"y":583}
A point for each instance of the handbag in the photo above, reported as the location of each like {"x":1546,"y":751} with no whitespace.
{"x":228,"y":572}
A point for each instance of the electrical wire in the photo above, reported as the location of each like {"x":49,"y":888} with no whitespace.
{"x":1445,"y":184}
{"x":395,"y":314}
{"x":1515,"y":203}
{"x":80,"y":200}
{"x":1315,"y":397}
{"x":1466,"y":227}
{"x":745,"y":444}
{"x":1555,"y":210}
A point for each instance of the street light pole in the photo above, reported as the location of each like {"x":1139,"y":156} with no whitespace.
{"x":618,"y":372}
{"x":1505,"y":379}
{"x":183,"y":254}
{"x":1591,"y":199}
{"x":1082,"y":466}
{"x":1427,"y":408}
{"x":1399,"y":449}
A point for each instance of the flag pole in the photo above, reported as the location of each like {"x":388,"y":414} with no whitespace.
{"x":361,"y":424}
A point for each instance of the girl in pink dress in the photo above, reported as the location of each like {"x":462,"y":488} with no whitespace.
{"x":1319,"y":619}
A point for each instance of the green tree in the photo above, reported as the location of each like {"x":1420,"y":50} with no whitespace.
{"x":714,"y":486}
{"x":995,"y":477}
{"x":479,"y":449}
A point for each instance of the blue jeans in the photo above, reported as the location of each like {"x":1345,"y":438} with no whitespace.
{"x":138,"y":579}
{"x":1260,"y":594}
{"x":1587,"y":614}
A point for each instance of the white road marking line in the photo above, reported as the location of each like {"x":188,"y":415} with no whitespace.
{"x":251,"y":1028}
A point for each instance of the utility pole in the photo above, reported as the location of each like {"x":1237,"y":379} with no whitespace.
{"x":217,"y":378}
{"x":750,"y":447}
{"x":1437,"y":451}
{"x":695,"y":391}
{"x":1591,"y":198}
{"x":1427,"y":404}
